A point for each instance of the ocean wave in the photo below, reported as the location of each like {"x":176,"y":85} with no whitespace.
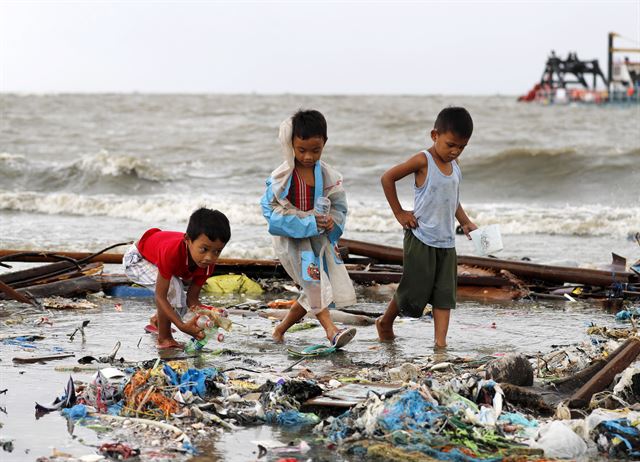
{"x":106,"y":164}
{"x":554,"y":175}
{"x":520,"y":219}
{"x":364,"y":216}
{"x":526,"y":158}
{"x":90,"y":172}
{"x":157,"y":208}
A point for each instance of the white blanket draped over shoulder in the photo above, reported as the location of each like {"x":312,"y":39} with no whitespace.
{"x":311,"y":258}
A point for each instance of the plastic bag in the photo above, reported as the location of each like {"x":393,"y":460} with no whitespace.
{"x":558,"y":440}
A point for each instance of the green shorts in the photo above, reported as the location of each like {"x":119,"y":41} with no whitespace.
{"x":429,"y":276}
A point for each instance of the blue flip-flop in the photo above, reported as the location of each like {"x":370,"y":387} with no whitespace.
{"x":312,"y":351}
{"x":343,"y":336}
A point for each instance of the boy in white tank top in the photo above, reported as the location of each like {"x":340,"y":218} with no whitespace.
{"x":429,"y":255}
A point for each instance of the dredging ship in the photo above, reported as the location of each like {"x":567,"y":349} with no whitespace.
{"x":573,"y":80}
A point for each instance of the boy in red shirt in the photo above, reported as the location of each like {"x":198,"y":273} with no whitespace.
{"x":165,"y":260}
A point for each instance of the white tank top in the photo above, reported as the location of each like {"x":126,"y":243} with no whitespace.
{"x":435,"y":204}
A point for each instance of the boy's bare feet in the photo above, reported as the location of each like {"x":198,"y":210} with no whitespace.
{"x":278,"y":336}
{"x":168,"y":343}
{"x":331,"y":332}
{"x":385,"y":333}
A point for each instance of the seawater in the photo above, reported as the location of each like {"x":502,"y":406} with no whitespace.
{"x":80,"y":172}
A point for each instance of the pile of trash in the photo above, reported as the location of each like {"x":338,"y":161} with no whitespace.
{"x":468,"y":420}
{"x":154,"y":402}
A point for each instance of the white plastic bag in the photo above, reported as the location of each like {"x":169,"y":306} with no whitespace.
{"x":558,"y":440}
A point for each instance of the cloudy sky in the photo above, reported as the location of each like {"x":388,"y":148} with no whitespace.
{"x":300,"y":47}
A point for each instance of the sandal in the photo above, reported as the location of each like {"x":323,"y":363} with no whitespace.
{"x":151,"y":329}
{"x":343,"y":336}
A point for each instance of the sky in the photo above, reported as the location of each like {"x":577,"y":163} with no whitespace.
{"x":300,"y":47}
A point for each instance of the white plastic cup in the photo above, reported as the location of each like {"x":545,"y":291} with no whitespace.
{"x":322,"y":208}
{"x":487,"y":239}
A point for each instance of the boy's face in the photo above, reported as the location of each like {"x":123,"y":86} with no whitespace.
{"x":448,"y":146}
{"x":307,"y":152}
{"x":203,"y":251}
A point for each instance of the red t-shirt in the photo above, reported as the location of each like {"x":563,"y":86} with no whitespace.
{"x":168,"y":251}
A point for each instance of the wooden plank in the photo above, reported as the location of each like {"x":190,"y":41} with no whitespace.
{"x":73,"y":272}
{"x":550,"y":273}
{"x":382,"y":253}
{"x":581,"y":377}
{"x":38,"y":272}
{"x":602,"y":379}
{"x":68,"y":288}
{"x":38,"y":359}
{"x":15,"y":295}
{"x":488,"y":294}
{"x":393,"y":255}
{"x":385,"y":277}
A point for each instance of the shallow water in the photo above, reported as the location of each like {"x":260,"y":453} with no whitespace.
{"x":522,"y":326}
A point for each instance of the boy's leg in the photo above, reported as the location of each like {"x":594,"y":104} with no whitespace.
{"x":324,"y":316}
{"x":414,"y":289}
{"x":177,"y":300}
{"x":444,"y":295}
{"x":384,"y":324}
{"x":295,"y":314}
{"x":441,"y":326}
{"x":141,"y":272}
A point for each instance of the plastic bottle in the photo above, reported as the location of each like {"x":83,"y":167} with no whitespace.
{"x":322,"y":208}
{"x":194,"y":344}
{"x":202,"y":321}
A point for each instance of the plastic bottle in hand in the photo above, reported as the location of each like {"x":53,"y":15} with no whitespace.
{"x":202,"y":321}
{"x":195,"y":345}
{"x":322,"y":209}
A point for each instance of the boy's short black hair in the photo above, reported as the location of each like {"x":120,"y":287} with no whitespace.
{"x":309,"y":124}
{"x":212,"y":223}
{"x":456,"y":120}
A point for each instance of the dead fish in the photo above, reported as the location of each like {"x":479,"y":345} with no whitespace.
{"x":440,"y":366}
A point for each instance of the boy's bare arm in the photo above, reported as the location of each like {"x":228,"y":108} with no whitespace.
{"x":465,"y":221}
{"x":389,"y":179}
{"x":162,"y":289}
{"x":193,"y":296}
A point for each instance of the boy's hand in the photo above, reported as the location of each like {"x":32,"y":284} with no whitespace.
{"x":406,"y":219}
{"x":325,"y":222}
{"x":467,"y":228}
{"x":191,"y":328}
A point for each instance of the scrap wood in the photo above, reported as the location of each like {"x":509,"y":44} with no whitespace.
{"x":527,"y":397}
{"x":65,"y":288}
{"x":581,"y":377}
{"x":46,"y":271}
{"x":522,"y":269}
{"x":90,"y":269}
{"x":15,"y":295}
{"x":489,"y":293}
{"x":602,"y":379}
{"x":38,"y":359}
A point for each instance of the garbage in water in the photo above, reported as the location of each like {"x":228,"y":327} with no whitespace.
{"x":366,"y":401}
